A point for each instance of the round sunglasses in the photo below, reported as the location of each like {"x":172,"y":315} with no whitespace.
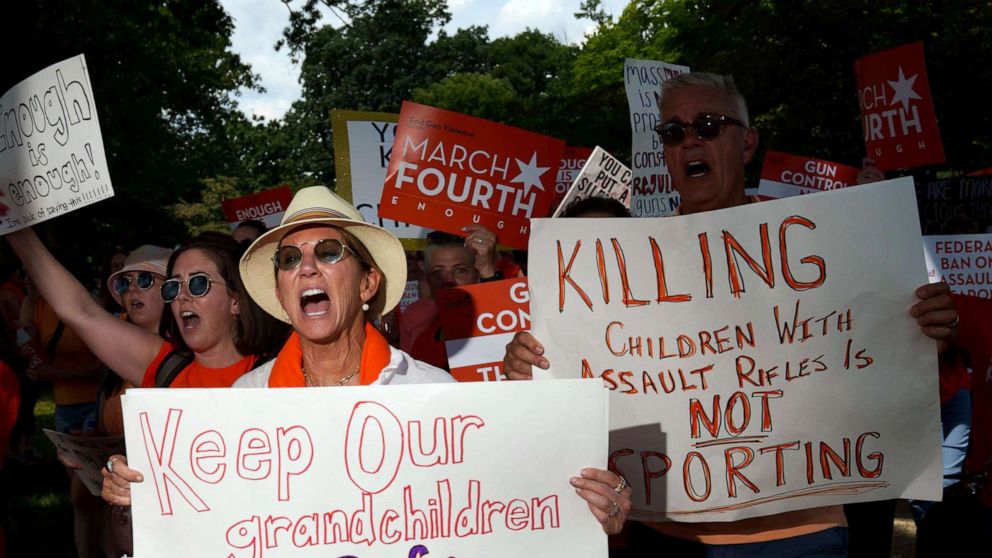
{"x":143,"y":280}
{"x":328,"y":251}
{"x":707,"y":127}
{"x":197,"y":285}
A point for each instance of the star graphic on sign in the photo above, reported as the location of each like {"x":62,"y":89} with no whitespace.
{"x":903,"y":88}
{"x":530,"y":174}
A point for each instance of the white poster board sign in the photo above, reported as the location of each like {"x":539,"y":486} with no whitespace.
{"x":652,"y":193}
{"x":602,"y":175}
{"x":760,"y":358}
{"x":458,"y":469}
{"x":51,"y":152}
{"x":363,"y":142}
{"x":963,"y":261}
{"x":90,"y":452}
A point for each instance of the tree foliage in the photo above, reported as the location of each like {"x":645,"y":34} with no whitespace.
{"x":162,"y":73}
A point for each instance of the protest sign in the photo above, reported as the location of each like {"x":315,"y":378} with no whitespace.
{"x":411,"y":294}
{"x":457,"y":469}
{"x":266,"y":206}
{"x":449,"y":170}
{"x":760,"y":358}
{"x":652,"y":194}
{"x":602,"y":175}
{"x":963,"y":261}
{"x":478,"y":321}
{"x":897,"y":114}
{"x":363,"y":142}
{"x":51,"y":150}
{"x":785,"y":175}
{"x":571,"y":163}
{"x":91,"y":452}
{"x":955,"y":205}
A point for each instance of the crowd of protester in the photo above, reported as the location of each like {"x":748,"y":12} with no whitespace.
{"x":314,"y":302}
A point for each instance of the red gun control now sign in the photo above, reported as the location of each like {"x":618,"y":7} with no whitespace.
{"x":897,"y":114}
{"x":478,"y":321}
{"x":785,"y":175}
{"x":448,"y":170}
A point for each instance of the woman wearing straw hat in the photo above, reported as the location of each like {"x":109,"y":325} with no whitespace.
{"x":334,"y":275}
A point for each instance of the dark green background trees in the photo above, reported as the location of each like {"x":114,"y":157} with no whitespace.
{"x":163,"y":75}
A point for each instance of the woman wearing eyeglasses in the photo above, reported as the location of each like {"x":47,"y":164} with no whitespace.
{"x":210,"y":323}
{"x":330,"y":275}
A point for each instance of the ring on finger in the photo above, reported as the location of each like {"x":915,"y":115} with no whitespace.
{"x":110,"y":465}
{"x":954,"y":324}
{"x":623,"y":484}
{"x":614,"y":510}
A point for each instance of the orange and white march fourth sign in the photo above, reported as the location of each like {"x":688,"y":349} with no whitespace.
{"x":478,"y":321}
{"x":449,"y":170}
{"x":897,"y":114}
{"x":785,"y":175}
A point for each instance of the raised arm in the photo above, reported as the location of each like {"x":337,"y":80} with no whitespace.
{"x":124,"y":347}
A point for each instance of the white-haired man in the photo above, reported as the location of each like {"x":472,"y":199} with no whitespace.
{"x":707,"y":142}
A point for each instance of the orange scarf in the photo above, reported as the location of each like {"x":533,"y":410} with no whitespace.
{"x":287,"y":370}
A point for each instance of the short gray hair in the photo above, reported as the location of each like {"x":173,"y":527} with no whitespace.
{"x":721,"y":83}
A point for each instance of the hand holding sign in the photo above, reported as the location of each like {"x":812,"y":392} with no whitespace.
{"x":482,"y":243}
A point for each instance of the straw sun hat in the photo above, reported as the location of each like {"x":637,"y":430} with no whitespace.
{"x":317,"y":205}
{"x":146,"y":257}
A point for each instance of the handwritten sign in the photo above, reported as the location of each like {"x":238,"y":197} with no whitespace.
{"x":897,"y":114}
{"x":652,"y":193}
{"x":572,"y":161}
{"x":785,"y":175}
{"x":955,"y":205}
{"x":89,"y":451}
{"x":602,"y":175}
{"x":760,"y":358}
{"x":266,"y":206}
{"x":51,"y":151}
{"x":478,"y":321}
{"x":964,"y":261}
{"x":449,"y":170}
{"x":458,"y":470}
{"x":363,"y":143}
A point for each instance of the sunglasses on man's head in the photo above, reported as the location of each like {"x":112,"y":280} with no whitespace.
{"x":707,"y":127}
{"x":197,"y":285}
{"x":143,"y":281}
{"x":328,"y":251}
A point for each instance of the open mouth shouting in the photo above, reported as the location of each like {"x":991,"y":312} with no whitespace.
{"x":189,"y":319}
{"x":697,"y":169}
{"x":314,"y":302}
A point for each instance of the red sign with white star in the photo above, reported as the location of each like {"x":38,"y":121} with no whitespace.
{"x":448,"y":170}
{"x":897,"y":114}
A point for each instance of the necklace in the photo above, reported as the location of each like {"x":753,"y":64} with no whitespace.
{"x":313,"y":383}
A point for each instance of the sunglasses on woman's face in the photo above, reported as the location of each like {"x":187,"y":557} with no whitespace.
{"x":143,"y":280}
{"x":707,"y":127}
{"x":328,"y":251}
{"x":197,"y":285}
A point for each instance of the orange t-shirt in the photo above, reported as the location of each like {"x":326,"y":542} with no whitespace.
{"x":70,"y":352}
{"x":757,"y":529}
{"x":196,"y":375}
